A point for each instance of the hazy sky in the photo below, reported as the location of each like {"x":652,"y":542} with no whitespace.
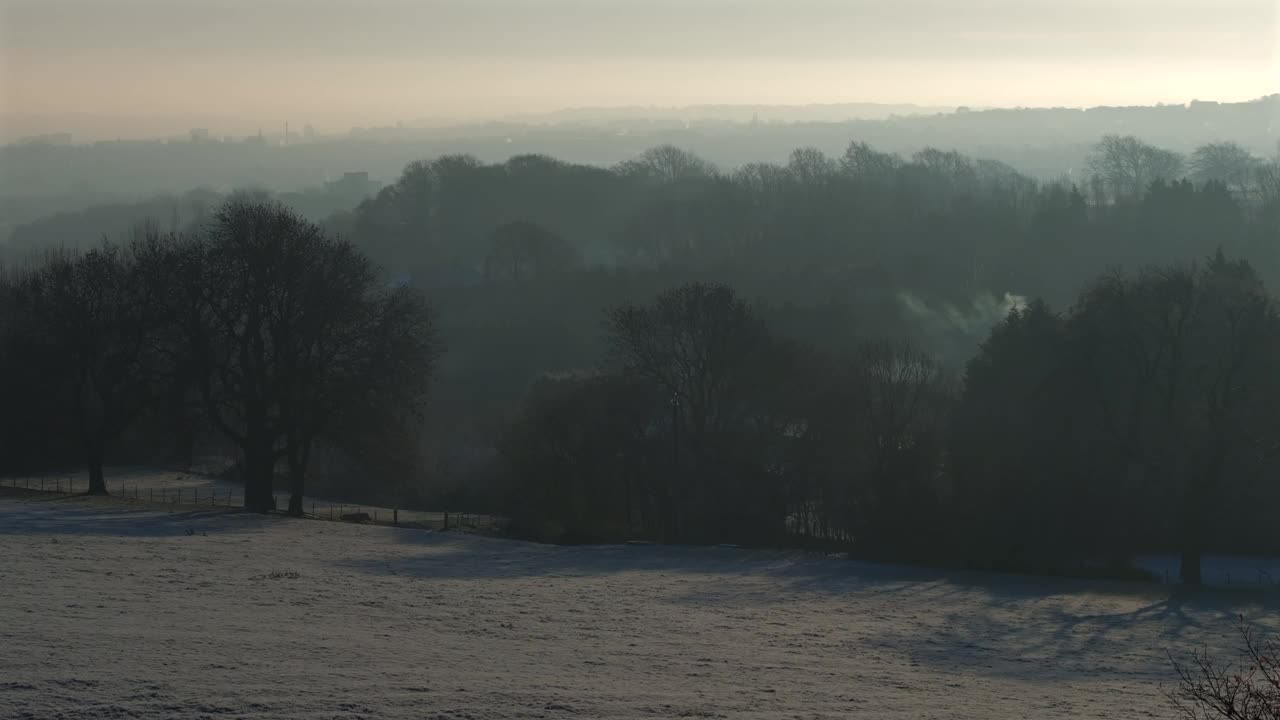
{"x":337,"y":63}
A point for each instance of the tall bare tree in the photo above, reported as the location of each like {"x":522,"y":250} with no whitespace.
{"x":698,"y":344}
{"x":93,"y":324}
{"x":666,"y":164}
{"x":288,"y":331}
{"x":1227,"y":163}
{"x":359,"y":360}
{"x":1180,"y":365}
{"x":1128,"y":166}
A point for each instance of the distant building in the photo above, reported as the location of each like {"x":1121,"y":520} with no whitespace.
{"x":199,"y":135}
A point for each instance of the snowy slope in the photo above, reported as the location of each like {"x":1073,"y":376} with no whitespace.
{"x":108,"y":611}
{"x":191,"y":488}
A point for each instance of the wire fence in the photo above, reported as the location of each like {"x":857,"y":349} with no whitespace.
{"x":212,"y":496}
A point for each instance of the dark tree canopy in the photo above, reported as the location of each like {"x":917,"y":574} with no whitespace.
{"x":289,"y":330}
{"x":90,"y":321}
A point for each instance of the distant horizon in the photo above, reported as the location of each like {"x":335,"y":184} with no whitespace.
{"x":338,"y":64}
{"x":18,"y":126}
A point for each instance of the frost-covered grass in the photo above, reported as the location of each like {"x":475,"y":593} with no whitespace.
{"x":115,"y":611}
{"x":172,"y":487}
{"x":1219,"y":570}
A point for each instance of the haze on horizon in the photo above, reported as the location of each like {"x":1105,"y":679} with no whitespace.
{"x":139,"y":67}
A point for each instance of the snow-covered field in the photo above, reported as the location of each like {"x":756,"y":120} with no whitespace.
{"x":115,"y":611}
{"x":174,"y":487}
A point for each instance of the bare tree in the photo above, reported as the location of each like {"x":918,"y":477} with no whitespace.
{"x":289,"y":330}
{"x":1178,"y":361}
{"x":697,"y":343}
{"x":863,"y":161}
{"x":359,"y":363}
{"x":693,"y":342}
{"x":1250,"y":690}
{"x":1227,"y":163}
{"x":810,"y":166}
{"x":524,"y":249}
{"x":946,"y":164}
{"x":93,"y":324}
{"x":667,"y":164}
{"x":1266,"y":178}
{"x":1128,"y":166}
{"x":901,"y":400}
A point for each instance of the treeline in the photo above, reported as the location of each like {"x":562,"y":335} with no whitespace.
{"x":1042,"y":142}
{"x":186,"y":212}
{"x":1146,"y":418}
{"x":836,"y":351}
{"x":931,"y":249}
{"x":938,"y":220}
{"x":259,"y":331}
{"x":702,"y":425}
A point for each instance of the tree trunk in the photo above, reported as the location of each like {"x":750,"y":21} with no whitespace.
{"x":97,"y":481}
{"x":184,"y":442}
{"x":295,"y":492}
{"x":259,"y":469}
{"x":1198,"y":506}
{"x":297,"y":478}
{"x":1190,"y":566}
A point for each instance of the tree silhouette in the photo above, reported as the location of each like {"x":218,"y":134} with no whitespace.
{"x":1227,"y":163}
{"x":289,"y":330}
{"x":1178,"y":361}
{"x":1127,"y":165}
{"x":667,"y":164}
{"x":524,"y":249}
{"x":1208,"y":688}
{"x":92,"y":323}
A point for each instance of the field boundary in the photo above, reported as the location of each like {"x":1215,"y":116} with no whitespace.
{"x":212,"y":496}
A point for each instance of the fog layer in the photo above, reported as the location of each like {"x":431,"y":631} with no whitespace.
{"x":240,"y":65}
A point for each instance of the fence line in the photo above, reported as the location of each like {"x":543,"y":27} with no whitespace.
{"x":228,"y":498}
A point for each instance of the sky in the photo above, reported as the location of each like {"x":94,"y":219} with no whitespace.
{"x":235,"y":65}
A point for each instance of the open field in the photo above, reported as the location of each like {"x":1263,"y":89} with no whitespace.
{"x":172,"y":487}
{"x":115,"y":611}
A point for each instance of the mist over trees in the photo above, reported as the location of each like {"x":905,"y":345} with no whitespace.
{"x":864,"y":284}
{"x":46,"y":176}
{"x":277,"y":335}
{"x":927,"y":356}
